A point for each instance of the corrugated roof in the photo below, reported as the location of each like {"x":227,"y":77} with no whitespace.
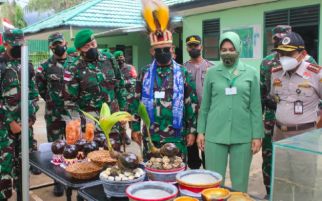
{"x":98,"y":14}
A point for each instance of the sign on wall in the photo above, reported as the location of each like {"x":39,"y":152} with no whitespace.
{"x":251,"y":38}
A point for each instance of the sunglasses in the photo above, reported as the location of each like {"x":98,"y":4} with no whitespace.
{"x":162,"y":50}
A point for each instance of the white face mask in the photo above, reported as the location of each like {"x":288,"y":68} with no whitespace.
{"x":288,"y":63}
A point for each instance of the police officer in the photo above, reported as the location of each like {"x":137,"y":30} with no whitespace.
{"x":269,"y":106}
{"x":11,"y":100}
{"x":296,"y":87}
{"x":197,"y":66}
{"x":92,"y":80}
{"x":50,"y":82}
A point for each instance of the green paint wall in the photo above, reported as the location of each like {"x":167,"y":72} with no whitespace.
{"x":140,"y":45}
{"x":244,"y":16}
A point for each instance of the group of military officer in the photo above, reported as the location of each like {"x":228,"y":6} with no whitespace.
{"x":83,"y":78}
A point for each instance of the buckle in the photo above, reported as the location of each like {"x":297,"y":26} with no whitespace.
{"x":283,"y":128}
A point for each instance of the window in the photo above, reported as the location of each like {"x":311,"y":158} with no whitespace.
{"x":304,"y":20}
{"x":211,"y":34}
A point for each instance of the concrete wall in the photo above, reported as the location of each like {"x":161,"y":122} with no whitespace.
{"x":245,"y":16}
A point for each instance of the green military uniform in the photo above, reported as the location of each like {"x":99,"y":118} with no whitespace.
{"x":89,"y":84}
{"x":11,"y":107}
{"x":230,"y":117}
{"x":161,"y":129}
{"x":50,"y":82}
{"x":129,"y":73}
{"x":269,"y":62}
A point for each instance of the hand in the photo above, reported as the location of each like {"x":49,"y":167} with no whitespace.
{"x":201,"y":141}
{"x":256,"y":145}
{"x":137,"y":137}
{"x":190,"y":138}
{"x":15,"y":127}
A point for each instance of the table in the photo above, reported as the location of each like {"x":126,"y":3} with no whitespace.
{"x":41,"y":160}
{"x":96,"y":193}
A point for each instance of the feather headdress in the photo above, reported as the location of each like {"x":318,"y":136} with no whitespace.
{"x":156,"y":15}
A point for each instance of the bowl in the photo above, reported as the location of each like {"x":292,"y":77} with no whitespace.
{"x":215,"y":194}
{"x":185,"y":198}
{"x":163,"y":175}
{"x":239,"y":196}
{"x":195,"y":181}
{"x":152,"y":191}
{"x":117,"y":188}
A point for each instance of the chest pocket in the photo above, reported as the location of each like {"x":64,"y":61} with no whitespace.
{"x":90,"y":81}
{"x":55,"y":78}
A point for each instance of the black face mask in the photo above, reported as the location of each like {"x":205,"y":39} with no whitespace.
{"x":59,"y":50}
{"x":121,"y":61}
{"x":195,"y":53}
{"x":163,"y":55}
{"x":15,"y":52}
{"x":91,"y":54}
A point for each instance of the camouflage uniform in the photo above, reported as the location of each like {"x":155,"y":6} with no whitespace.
{"x":130,"y":75}
{"x":89,"y":84}
{"x":10,"y":101}
{"x":50,"y":82}
{"x":269,"y":107}
{"x":162,"y":130}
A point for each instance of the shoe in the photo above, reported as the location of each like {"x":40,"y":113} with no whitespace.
{"x":58,"y":189}
{"x":35,"y":171}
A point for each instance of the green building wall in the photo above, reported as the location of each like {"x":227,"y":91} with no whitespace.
{"x":245,"y":16}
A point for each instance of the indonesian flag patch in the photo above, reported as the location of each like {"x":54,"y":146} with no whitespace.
{"x":39,"y":69}
{"x":67,"y":76}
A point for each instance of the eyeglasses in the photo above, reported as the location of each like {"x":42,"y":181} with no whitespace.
{"x":162,"y":50}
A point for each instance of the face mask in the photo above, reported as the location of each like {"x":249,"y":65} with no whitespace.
{"x":91,"y":54}
{"x":15,"y":52}
{"x":59,"y":50}
{"x":288,"y":63}
{"x":163,"y":58}
{"x":195,"y":53}
{"x":121,"y":61}
{"x":229,"y":58}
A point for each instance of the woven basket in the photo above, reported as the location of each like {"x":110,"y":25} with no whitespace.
{"x":101,"y":158}
{"x":83,"y":170}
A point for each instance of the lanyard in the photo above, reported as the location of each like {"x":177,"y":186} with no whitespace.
{"x":231,"y":82}
{"x":161,"y":86}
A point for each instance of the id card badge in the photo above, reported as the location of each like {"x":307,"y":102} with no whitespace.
{"x":298,"y":107}
{"x":231,"y":91}
{"x":159,"y":94}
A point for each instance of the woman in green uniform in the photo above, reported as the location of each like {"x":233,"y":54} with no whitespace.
{"x":230,"y":117}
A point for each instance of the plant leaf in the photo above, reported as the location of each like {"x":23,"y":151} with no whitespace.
{"x":90,"y":116}
{"x":143,"y":113}
{"x":105,"y":111}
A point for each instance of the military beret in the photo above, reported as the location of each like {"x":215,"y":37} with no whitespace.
{"x":194,"y":39}
{"x":55,"y":37}
{"x":71,"y":50}
{"x":82,"y":37}
{"x":280,"y":30}
{"x":291,"y":42}
{"x":14,"y":37}
{"x":118,"y":53}
{"x":2,"y":49}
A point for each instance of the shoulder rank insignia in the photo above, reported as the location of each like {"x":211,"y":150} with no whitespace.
{"x":314,"y":68}
{"x":276,"y":69}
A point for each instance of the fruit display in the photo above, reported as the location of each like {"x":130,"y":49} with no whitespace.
{"x":70,"y":154}
{"x":57,"y":148}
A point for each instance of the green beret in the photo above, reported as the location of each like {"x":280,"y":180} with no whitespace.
{"x":55,"y":37}
{"x":82,"y":37}
{"x":118,"y":53}
{"x":71,"y":50}
{"x":106,"y":52}
{"x":2,"y":49}
{"x":14,"y":37}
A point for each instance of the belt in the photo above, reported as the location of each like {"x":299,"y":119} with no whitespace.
{"x":298,"y":127}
